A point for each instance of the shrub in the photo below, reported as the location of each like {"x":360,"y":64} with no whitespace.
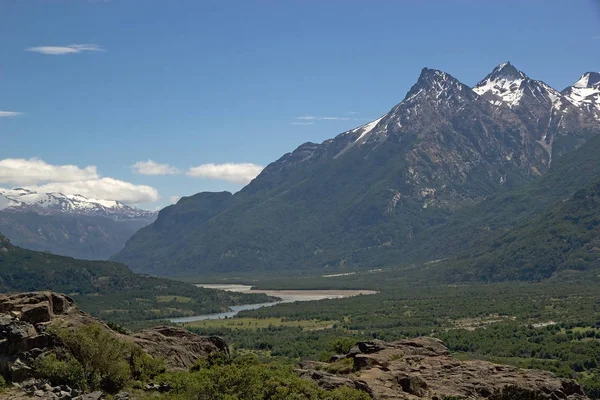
{"x":67,"y":371}
{"x":248,"y":379}
{"x":343,"y":345}
{"x":143,"y":366}
{"x":98,"y":360}
{"x":344,"y":366}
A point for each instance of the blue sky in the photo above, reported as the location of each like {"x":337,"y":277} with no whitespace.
{"x":189,"y":83}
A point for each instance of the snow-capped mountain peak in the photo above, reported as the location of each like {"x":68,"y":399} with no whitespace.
{"x":585,"y":93}
{"x":508,"y":86}
{"x":20,"y":199}
{"x":504,"y":85}
{"x":438,"y":89}
{"x":588,"y":80}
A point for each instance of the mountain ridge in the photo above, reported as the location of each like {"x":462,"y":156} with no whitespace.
{"x":70,"y":225}
{"x":375,"y":187}
{"x":21,"y":199}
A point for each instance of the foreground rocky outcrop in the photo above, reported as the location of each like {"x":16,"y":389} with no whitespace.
{"x":423,"y":368}
{"x":179,"y":348}
{"x":26,"y":335}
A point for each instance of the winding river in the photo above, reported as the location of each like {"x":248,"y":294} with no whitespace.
{"x":286,"y":296}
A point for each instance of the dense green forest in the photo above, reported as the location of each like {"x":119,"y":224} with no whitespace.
{"x":567,"y":237}
{"x":554,"y":325}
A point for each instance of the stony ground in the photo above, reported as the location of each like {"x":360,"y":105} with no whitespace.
{"x":423,"y":368}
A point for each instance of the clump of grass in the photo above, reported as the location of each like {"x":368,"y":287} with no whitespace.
{"x":344,"y":366}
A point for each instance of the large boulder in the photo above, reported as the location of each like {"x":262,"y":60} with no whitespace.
{"x":23,"y":321}
{"x":423,"y":368}
{"x":179,"y":348}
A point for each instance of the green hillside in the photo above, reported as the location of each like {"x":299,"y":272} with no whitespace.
{"x":108,"y":289}
{"x":567,"y":237}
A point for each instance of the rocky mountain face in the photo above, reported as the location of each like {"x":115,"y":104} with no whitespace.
{"x":423,"y":368}
{"x":559,"y":121}
{"x":350,"y":199}
{"x":484,"y":226}
{"x":585,"y":93}
{"x":70,"y":225}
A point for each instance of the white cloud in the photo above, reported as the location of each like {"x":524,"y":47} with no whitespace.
{"x":105,"y":189}
{"x":27,"y":172}
{"x":174,"y":199}
{"x":61,"y":50}
{"x":231,"y":172}
{"x":38,"y":175}
{"x":9,"y":114}
{"x":153,"y":168}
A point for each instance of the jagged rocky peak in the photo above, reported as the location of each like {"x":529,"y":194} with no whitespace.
{"x":438,"y":86}
{"x":585,"y":93}
{"x":507,"y":71}
{"x":588,"y":80}
{"x":504,"y":85}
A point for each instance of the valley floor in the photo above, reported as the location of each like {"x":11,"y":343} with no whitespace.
{"x":554,"y":325}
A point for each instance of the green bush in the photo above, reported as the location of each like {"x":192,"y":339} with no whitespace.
{"x":66,"y":371}
{"x":248,"y":378}
{"x":97,"y":360}
{"x":343,"y":345}
{"x":344,"y":366}
{"x":102,"y":356}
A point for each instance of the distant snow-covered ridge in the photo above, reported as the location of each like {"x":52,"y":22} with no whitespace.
{"x":20,"y":199}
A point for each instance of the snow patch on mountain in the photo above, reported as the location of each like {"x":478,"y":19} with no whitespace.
{"x":365,"y":129}
{"x":506,"y":85}
{"x":20,"y":199}
{"x":585,"y":93}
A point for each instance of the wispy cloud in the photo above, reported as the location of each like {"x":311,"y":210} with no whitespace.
{"x":153,"y":168}
{"x":9,"y":114}
{"x":62,"y":50}
{"x":231,"y":172}
{"x":174,"y":199}
{"x":302,"y":123}
{"x":313,"y":118}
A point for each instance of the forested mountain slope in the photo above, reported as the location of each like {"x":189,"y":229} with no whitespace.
{"x":567,"y":237}
{"x":109,"y":289}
